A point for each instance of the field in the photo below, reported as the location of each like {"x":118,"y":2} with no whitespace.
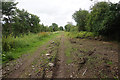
{"x":61,"y":56}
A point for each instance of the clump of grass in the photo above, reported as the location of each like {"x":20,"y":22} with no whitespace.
{"x":68,"y":52}
{"x":69,"y":61}
{"x":109,"y":62}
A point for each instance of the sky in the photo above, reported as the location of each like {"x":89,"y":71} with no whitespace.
{"x":56,"y":11}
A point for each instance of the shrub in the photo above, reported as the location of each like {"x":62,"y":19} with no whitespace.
{"x":7,"y":42}
{"x":82,"y":34}
{"x":90,"y":34}
{"x":7,"y":57}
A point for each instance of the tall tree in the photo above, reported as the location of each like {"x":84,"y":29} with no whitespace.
{"x":111,"y":22}
{"x":68,"y":26}
{"x":61,"y":28}
{"x":97,"y":16}
{"x":8,"y":10}
{"x":54,"y":27}
{"x":80,"y":19}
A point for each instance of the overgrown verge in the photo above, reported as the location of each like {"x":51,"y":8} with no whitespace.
{"x":84,"y":34}
{"x":15,"y":47}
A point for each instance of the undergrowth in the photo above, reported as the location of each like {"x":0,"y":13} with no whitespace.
{"x":82,"y":34}
{"x":14,"y":47}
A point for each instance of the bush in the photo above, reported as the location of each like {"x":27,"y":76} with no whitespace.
{"x":90,"y":34}
{"x":7,"y":43}
{"x":7,"y":57}
{"x":81,"y":34}
{"x":84,"y":34}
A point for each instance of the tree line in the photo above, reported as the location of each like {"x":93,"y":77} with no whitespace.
{"x":17,"y":22}
{"x":103,"y":19}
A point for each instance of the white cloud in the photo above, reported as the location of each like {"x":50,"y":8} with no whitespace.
{"x":58,"y":11}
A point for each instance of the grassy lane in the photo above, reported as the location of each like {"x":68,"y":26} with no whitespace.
{"x":28,"y":44}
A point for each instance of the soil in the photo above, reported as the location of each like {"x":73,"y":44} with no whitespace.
{"x":87,"y":59}
{"x":60,"y":69}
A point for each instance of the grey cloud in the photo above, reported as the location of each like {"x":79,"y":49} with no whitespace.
{"x":58,"y":11}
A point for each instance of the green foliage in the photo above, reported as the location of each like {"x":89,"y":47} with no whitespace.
{"x":109,"y":62}
{"x":69,"y":27}
{"x":8,"y":56}
{"x":74,"y":29}
{"x":24,"y":22}
{"x":97,"y":16}
{"x":61,"y":28}
{"x":8,"y":10}
{"x":111,"y":22}
{"x":10,"y":42}
{"x":7,"y":42}
{"x":23,"y":44}
{"x":103,"y":19}
{"x":54,"y":27}
{"x":68,"y":52}
{"x":84,"y":34}
{"x":17,"y":22}
{"x":80,"y":18}
{"x":90,"y":34}
{"x":81,"y":34}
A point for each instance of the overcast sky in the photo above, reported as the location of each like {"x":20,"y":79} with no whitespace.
{"x":55,"y":11}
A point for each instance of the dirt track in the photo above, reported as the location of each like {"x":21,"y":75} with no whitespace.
{"x":67,"y":58}
{"x":60,"y":71}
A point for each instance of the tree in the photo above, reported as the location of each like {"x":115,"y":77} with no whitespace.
{"x":51,"y":28}
{"x":97,"y":16}
{"x":25,"y":22}
{"x":111,"y":22}
{"x":61,"y":28}
{"x":17,"y":21}
{"x":34,"y":23}
{"x":73,"y":29}
{"x":8,"y":10}
{"x":104,"y":20}
{"x":54,"y":27}
{"x":80,"y":19}
{"x":68,"y":26}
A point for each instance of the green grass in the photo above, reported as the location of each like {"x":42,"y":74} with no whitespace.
{"x":109,"y":62}
{"x":25,"y":44}
{"x":0,"y":50}
{"x":68,"y":52}
{"x":69,"y":61}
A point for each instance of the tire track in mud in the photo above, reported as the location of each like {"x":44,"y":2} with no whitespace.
{"x":26,"y":63}
{"x":60,"y":68}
